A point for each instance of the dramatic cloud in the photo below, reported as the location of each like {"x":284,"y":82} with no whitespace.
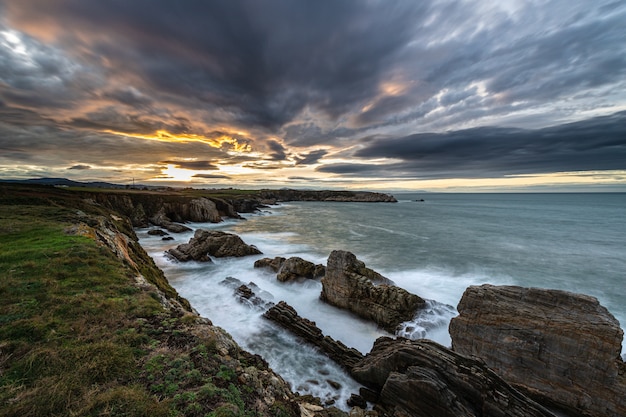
{"x":311,"y":89}
{"x":592,"y":145}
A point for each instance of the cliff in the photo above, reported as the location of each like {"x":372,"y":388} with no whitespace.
{"x":326,"y":195}
{"x":90,"y":326}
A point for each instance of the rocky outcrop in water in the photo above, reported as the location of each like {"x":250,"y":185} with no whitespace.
{"x":207,"y":243}
{"x":285,"y":315}
{"x":424,"y":379}
{"x":292,"y":268}
{"x":561,"y":348}
{"x":350,"y":285}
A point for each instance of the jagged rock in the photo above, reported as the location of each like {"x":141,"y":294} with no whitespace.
{"x":250,"y":295}
{"x":292,"y":268}
{"x":206,"y":243}
{"x":559,"y":347}
{"x":285,"y":315}
{"x":422,"y":378}
{"x":350,"y":285}
{"x":357,"y":401}
{"x":273,"y":264}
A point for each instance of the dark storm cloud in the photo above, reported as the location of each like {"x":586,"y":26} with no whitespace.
{"x":193,"y":165}
{"x":295,"y":76}
{"x":129,"y":96}
{"x":594,"y":144}
{"x":80,"y":167}
{"x":312,"y":157}
{"x":277,"y":151}
{"x":211,"y":176}
{"x":262,"y":62}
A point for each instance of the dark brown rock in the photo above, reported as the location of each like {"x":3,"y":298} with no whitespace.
{"x":285,"y":315}
{"x":350,"y":285}
{"x":561,"y":348}
{"x":295,"y":267}
{"x":292,"y":268}
{"x":206,"y":243}
{"x":273,"y":264}
{"x":422,"y":378}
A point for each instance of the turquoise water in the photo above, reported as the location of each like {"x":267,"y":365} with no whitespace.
{"x":435,"y":248}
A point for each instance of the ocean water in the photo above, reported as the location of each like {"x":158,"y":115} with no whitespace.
{"x":435,"y":248}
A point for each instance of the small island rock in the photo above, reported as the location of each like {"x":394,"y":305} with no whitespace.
{"x":350,"y":285}
{"x":206,"y":243}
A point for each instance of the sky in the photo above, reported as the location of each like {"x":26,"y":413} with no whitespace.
{"x":441,"y":95}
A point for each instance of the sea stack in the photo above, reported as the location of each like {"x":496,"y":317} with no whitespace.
{"x":350,"y":285}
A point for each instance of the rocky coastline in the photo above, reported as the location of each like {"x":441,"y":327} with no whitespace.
{"x":515,"y":351}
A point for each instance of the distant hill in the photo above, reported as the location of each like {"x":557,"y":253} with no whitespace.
{"x":68,"y":183}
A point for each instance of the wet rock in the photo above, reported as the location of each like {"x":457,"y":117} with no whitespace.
{"x":206,"y":243}
{"x":285,"y":315}
{"x":559,"y":347}
{"x":295,"y":267}
{"x":157,"y":232}
{"x":292,"y":268}
{"x":167,"y":238}
{"x":357,"y":401}
{"x":424,"y":379}
{"x":350,"y":285}
{"x":250,"y":295}
{"x":273,"y":264}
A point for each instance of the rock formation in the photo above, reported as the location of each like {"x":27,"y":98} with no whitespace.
{"x":206,"y":243}
{"x":284,"y":315}
{"x":559,"y":347}
{"x":292,"y":268}
{"x":350,"y":285}
{"x":424,"y":379}
{"x":250,"y":294}
{"x":165,"y":210}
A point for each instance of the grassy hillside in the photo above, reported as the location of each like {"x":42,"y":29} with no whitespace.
{"x":88,"y":328}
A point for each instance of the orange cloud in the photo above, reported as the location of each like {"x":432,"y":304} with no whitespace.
{"x":165,"y":136}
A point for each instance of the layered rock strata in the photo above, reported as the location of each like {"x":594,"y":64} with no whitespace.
{"x":286,"y":316}
{"x":350,"y":285}
{"x":207,"y":243}
{"x":561,"y":348}
{"x":292,"y":268}
{"x":424,"y":379}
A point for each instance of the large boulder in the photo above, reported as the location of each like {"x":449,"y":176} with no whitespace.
{"x":207,"y":243}
{"x":350,"y":285}
{"x":559,"y":347}
{"x":292,"y":268}
{"x":421,"y":378}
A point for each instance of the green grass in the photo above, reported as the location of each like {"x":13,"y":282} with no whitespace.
{"x":79,"y":338}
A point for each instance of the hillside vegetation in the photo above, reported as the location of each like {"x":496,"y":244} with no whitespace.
{"x":90,"y":327}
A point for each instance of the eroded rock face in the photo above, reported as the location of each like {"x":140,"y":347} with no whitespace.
{"x":292,"y":268}
{"x":561,"y":348}
{"x":350,"y":285}
{"x":207,"y":243}
{"x":423,"y":379}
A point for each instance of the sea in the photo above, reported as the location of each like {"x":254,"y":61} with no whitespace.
{"x":434,"y":245}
